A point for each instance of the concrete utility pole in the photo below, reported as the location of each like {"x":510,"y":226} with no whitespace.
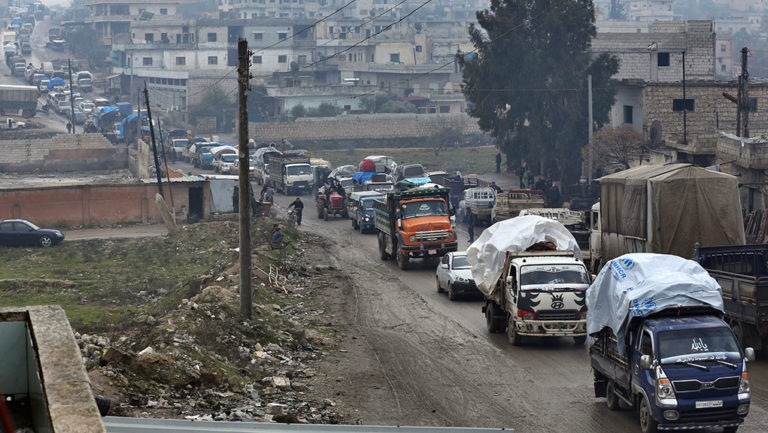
{"x":744,"y":88}
{"x":685,"y":107}
{"x":71,"y":97}
{"x":154,"y":145}
{"x":244,"y":198}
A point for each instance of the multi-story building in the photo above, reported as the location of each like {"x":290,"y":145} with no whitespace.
{"x":650,"y":10}
{"x":111,"y":18}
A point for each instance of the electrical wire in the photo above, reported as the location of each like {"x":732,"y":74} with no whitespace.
{"x":368,"y":21}
{"x":385,"y":28}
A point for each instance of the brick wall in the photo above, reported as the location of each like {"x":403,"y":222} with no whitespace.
{"x":377,"y":126}
{"x":95,"y":204}
{"x":712,"y":112}
{"x":62,"y":153}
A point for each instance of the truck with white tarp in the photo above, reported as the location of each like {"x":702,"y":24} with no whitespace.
{"x":658,"y":344}
{"x":666,"y":209}
{"x":530,"y":271}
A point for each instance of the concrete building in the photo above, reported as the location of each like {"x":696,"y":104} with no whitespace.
{"x":650,"y":10}
{"x":724,"y":56}
{"x":111,"y":18}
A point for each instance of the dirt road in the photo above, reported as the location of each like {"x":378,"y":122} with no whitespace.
{"x":415,"y":358}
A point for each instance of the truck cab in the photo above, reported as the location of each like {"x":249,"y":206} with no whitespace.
{"x":544,"y":295}
{"x":478,"y":201}
{"x":297,"y":177}
{"x":594,"y":238}
{"x":684,"y":372}
{"x":361,"y":209}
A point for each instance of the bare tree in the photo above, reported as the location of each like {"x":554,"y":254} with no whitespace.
{"x":614,"y":148}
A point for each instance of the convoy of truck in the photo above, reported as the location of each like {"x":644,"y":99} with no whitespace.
{"x":15,"y":99}
{"x":289,"y":173}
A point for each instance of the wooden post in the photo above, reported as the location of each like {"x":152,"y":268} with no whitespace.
{"x":244,"y":75}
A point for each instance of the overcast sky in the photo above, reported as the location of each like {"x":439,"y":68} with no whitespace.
{"x":57,"y":2}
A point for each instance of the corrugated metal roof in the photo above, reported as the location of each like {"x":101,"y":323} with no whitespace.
{"x":145,"y":425}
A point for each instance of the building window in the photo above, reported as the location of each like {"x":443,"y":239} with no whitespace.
{"x":722,"y":68}
{"x":163,"y":11}
{"x":146,"y":61}
{"x":722,"y":48}
{"x":628,"y":114}
{"x":149,"y":37}
{"x":753,"y":105}
{"x":394,"y":57}
{"x":349,"y":57}
{"x":282,"y":36}
{"x":282,"y":59}
{"x":180,"y":61}
{"x":211,"y":37}
{"x":682,"y":104}
{"x":445,"y":108}
{"x":663,"y":59}
{"x":302,"y":59}
{"x":418,"y":48}
{"x":213,"y":60}
{"x":256,"y":60}
{"x":258,"y":36}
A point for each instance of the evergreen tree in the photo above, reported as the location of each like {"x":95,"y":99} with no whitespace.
{"x":527,"y":80}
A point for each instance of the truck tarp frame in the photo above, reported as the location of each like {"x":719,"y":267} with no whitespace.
{"x":642,"y":284}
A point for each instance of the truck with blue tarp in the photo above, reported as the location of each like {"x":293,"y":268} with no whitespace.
{"x":660,"y":345}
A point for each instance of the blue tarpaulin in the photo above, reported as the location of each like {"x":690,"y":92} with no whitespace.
{"x":16,"y":22}
{"x":127,"y":120}
{"x":362,"y":177}
{"x":105,"y":110}
{"x":56,"y":81}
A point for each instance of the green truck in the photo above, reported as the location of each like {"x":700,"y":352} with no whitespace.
{"x":15,"y":98}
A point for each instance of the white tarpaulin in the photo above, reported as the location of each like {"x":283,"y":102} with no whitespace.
{"x":221,"y":195}
{"x":637,"y":285}
{"x":488,"y":252}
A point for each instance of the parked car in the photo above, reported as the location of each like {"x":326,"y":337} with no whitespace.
{"x":80,"y":117}
{"x":454,"y":275}
{"x":19,"y":232}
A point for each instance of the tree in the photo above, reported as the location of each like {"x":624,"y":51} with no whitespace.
{"x":298,"y":111}
{"x":325,"y":109}
{"x":527,"y":81}
{"x":398,"y":107}
{"x":85,"y":46}
{"x":215,"y":103}
{"x":373,"y":103}
{"x":613,"y":149}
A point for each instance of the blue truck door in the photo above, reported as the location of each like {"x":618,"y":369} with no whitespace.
{"x":644,"y":377}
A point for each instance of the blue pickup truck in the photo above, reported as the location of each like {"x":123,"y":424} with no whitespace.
{"x":659,"y":345}
{"x":360,"y":209}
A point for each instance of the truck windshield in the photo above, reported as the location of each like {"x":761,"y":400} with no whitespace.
{"x":424,"y":208}
{"x":229,"y":157}
{"x":553,"y":277}
{"x":368,"y":203}
{"x":293,"y":170}
{"x":460,"y":262}
{"x":698,"y":344}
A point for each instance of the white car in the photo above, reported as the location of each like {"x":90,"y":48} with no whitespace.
{"x":87,"y":107}
{"x":223,"y":162}
{"x":454,"y":275}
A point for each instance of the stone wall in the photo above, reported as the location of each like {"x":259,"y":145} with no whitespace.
{"x":61,"y":153}
{"x":712,"y":113}
{"x":377,"y":126}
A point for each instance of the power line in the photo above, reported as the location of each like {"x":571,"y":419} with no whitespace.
{"x":385,"y":28}
{"x":306,"y":28}
{"x":368,"y":21}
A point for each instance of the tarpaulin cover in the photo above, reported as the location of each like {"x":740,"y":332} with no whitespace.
{"x":221,"y":194}
{"x":260,"y":152}
{"x":669,"y":208}
{"x":488,"y":253}
{"x":343,"y":171}
{"x":413,"y":182}
{"x":640,"y":284}
{"x":108,"y":109}
{"x":57,"y":81}
{"x":362,"y":177}
{"x":366,"y":165}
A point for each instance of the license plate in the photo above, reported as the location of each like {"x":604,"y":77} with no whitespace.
{"x":709,"y":403}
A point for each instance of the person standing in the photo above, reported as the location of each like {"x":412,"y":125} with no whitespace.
{"x":498,"y":161}
{"x":471,"y":227}
{"x":69,"y":127}
{"x":298,"y":207}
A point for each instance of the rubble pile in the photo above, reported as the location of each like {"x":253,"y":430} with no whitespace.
{"x":202,"y":361}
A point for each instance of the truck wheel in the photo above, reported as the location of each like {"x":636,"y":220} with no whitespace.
{"x":437,"y":283}
{"x":647,"y":423}
{"x":580,"y":340}
{"x":402,"y":260}
{"x":325,"y":213}
{"x":514,"y":338}
{"x":611,"y":399}
{"x":382,"y":247}
{"x":492,"y":321}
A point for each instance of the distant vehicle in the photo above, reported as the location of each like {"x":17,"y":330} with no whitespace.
{"x":409,"y":171}
{"x":223,"y":159}
{"x":360,"y":210}
{"x":80,"y":117}
{"x":454,"y":275}
{"x":54,"y":33}
{"x":63,"y":107}
{"x":19,"y":232}
{"x":14,"y":98}
{"x":57,"y":44}
{"x":178,"y":145}
{"x":101,"y":102}
{"x":12,"y":123}
{"x":87,"y":107}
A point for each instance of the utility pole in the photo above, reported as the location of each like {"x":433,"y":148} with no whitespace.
{"x":244,"y":198}
{"x":744,"y":87}
{"x":685,"y":107}
{"x":138,"y":117}
{"x":589,"y":109}
{"x":71,"y":97}
{"x":154,"y":146}
{"x":167,"y":172}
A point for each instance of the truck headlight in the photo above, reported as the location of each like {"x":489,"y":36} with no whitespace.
{"x":664,"y":388}
{"x":461,"y":279}
{"x":744,"y":383}
{"x":528,"y":316}
{"x":288,"y":182}
{"x":412,"y":238}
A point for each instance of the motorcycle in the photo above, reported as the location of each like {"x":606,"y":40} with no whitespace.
{"x":292,"y":217}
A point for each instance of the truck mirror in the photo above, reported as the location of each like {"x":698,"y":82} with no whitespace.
{"x":749,"y":353}
{"x":645,"y":362}
{"x":399,"y":223}
{"x":510,"y":281}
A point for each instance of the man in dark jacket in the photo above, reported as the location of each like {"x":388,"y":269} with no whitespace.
{"x":297,"y":206}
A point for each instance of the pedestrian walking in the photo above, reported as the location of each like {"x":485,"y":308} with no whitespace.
{"x":69,"y":127}
{"x":471,"y":227}
{"x":530,"y":178}
{"x":498,"y":161}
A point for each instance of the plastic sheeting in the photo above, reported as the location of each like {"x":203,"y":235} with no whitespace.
{"x":488,"y":253}
{"x":366,"y":165}
{"x":57,"y":81}
{"x":362,"y":177}
{"x":221,"y":194}
{"x":638,"y":285}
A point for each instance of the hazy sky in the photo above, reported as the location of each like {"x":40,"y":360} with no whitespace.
{"x":57,"y":2}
